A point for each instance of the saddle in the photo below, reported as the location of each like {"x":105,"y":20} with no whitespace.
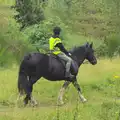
{"x":73,"y":68}
{"x":57,"y":58}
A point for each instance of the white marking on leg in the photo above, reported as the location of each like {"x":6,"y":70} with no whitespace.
{"x":62,"y":91}
{"x":82,"y":97}
{"x":33,"y":101}
{"x":60,"y":97}
{"x":76,"y":85}
{"x":18,"y":99}
{"x":28,"y":78}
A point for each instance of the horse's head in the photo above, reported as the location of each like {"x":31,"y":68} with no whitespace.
{"x":90,"y":54}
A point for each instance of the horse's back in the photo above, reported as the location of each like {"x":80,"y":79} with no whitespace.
{"x":33,"y":58}
{"x":33,"y":61}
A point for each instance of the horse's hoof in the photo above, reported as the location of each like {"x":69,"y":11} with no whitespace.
{"x":60,"y":103}
{"x":34,"y":104}
{"x":25,"y":103}
{"x":84,"y":100}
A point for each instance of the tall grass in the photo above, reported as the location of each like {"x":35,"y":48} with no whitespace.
{"x":7,"y":2}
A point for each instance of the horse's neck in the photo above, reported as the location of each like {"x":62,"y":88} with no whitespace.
{"x":80,"y":60}
{"x":79,"y":55}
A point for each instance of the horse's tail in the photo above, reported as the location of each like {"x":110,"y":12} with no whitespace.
{"x":23,"y":81}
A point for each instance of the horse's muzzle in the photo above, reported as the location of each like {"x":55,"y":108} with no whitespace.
{"x":94,"y":62}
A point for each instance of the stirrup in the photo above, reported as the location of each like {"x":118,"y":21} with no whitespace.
{"x":70,"y":76}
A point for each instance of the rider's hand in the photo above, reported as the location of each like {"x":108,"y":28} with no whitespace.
{"x":69,"y":54}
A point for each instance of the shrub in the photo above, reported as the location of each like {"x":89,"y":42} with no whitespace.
{"x":102,"y":50}
{"x":13,"y":44}
{"x":110,"y":46}
{"x":113,"y":44}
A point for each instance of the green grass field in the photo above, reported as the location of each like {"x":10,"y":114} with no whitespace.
{"x":100,"y":85}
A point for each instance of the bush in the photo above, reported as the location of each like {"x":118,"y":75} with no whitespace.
{"x":110,"y":46}
{"x":13,"y":44}
{"x":102,"y":50}
{"x":113,"y":44}
{"x":29,"y":12}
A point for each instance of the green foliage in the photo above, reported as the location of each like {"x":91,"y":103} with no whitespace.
{"x":90,"y":18}
{"x":113,"y":42}
{"x":113,"y":109}
{"x":4,"y":54}
{"x":13,"y":44}
{"x":101,"y":50}
{"x":110,"y":46}
{"x":76,"y":18}
{"x":29,"y":12}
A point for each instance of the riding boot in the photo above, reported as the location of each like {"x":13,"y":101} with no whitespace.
{"x":69,"y":75}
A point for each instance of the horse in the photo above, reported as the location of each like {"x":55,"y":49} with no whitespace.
{"x":36,"y":65}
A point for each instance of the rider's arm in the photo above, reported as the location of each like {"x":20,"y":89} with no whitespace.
{"x":62,"y":48}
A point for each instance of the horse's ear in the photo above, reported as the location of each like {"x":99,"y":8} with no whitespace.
{"x":91,"y":45}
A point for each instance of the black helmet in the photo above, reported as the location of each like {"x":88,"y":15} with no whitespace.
{"x":56,"y":30}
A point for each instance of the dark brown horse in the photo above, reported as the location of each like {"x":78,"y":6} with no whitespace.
{"x":37,"y":65}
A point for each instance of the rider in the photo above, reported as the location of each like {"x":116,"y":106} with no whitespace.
{"x":56,"y":47}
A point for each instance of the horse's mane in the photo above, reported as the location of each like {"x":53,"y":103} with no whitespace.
{"x":76,"y":48}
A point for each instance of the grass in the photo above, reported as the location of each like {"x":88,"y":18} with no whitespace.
{"x":7,"y":2}
{"x":98,"y":86}
{"x":6,"y":14}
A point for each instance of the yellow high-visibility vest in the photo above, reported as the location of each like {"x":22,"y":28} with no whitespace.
{"x":52,"y":44}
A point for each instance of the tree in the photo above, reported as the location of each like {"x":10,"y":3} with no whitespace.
{"x":29,"y":12}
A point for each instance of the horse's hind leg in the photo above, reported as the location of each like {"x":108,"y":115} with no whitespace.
{"x":29,"y":88}
{"x":33,"y":101}
{"x":19,"y":97}
{"x":61,"y":93}
{"x":29,"y":96}
{"x":23,"y":84}
{"x":32,"y":80}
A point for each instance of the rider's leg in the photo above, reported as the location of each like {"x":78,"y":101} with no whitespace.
{"x":68,"y":64}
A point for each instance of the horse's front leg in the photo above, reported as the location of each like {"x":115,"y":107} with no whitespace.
{"x":61,"y":93}
{"x":77,"y":86}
